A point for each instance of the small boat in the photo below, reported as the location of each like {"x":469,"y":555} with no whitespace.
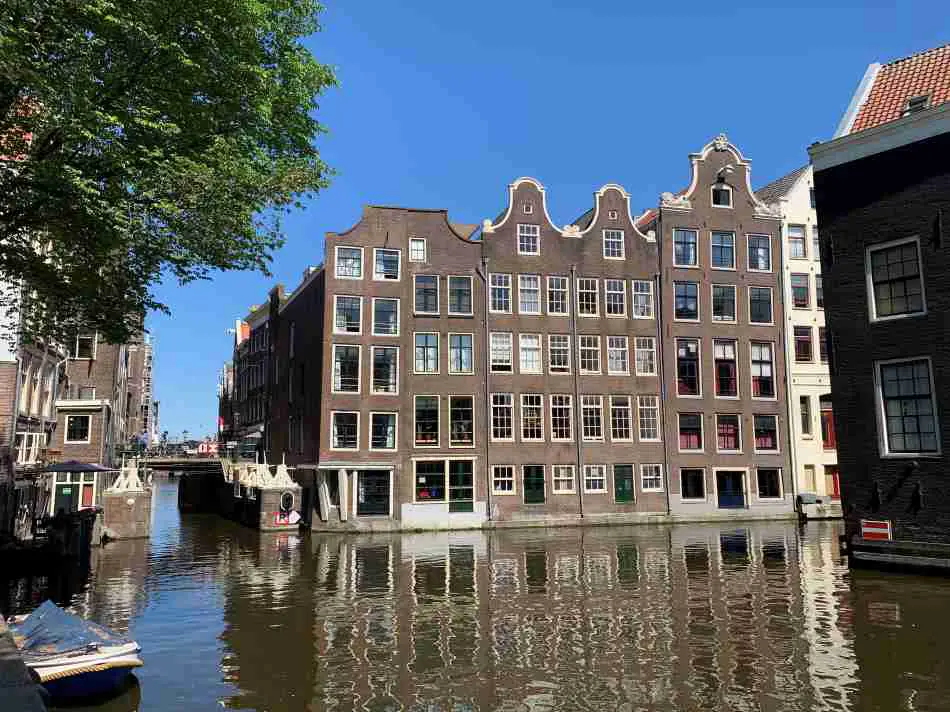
{"x":73,"y":658}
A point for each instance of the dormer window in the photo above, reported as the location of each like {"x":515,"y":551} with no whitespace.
{"x":721,"y":196}
{"x":528,"y":208}
{"x":917,"y":103}
{"x":611,"y":214}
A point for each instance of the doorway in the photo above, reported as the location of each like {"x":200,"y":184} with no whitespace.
{"x":730,"y":487}
{"x":533,"y":483}
{"x":832,"y":482}
{"x":372,"y":493}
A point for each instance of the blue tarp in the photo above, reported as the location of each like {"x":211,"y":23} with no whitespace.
{"x":49,"y":630}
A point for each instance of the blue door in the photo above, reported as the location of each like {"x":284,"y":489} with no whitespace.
{"x":729,"y":484}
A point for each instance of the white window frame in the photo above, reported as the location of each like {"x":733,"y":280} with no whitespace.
{"x":712,"y":304}
{"x":369,"y":442}
{"x":554,"y":479}
{"x":637,"y":350}
{"x":333,"y":414}
{"x":699,"y":366}
{"x":336,"y":331}
{"x":580,"y":360}
{"x":883,"y":448}
{"x":491,"y":417}
{"x":438,"y":353}
{"x":771,"y":345}
{"x":748,"y":263}
{"x":359,"y":372}
{"x":527,"y":208}
{"x":414,"y":242}
{"x":461,"y":446}
{"x":596,"y":293}
{"x":626,"y":352}
{"x":537,"y":237}
{"x":735,"y":251}
{"x":66,"y":440}
{"x":749,"y":305}
{"x":95,"y":347}
{"x":781,"y":485}
{"x":788,"y":240}
{"x":673,"y":245}
{"x":658,"y":465}
{"x":336,"y":262}
{"x":623,"y":244}
{"x":521,"y":288}
{"x":398,"y":316}
{"x":729,"y":191}
{"x":569,"y":357}
{"x":778,"y":435}
{"x":570,"y":420}
{"x":603,"y":477}
{"x":693,"y":500}
{"x":514,"y":481}
{"x":738,"y":417}
{"x":448,"y":353}
{"x":631,"y":422}
{"x":869,"y":279}
{"x":521,"y":347}
{"x":657,"y":407}
{"x":623,"y":292}
{"x":438,"y":423}
{"x":372,"y":386}
{"x":633,"y":298}
{"x":438,"y":295}
{"x":699,"y":302}
{"x":448,"y":295}
{"x":567,"y":295}
{"x":398,"y":264}
{"x":599,"y":401}
{"x":735,"y":358}
{"x":702,"y":431}
{"x":511,"y":351}
{"x":521,"y":407}
{"x":510,"y":289}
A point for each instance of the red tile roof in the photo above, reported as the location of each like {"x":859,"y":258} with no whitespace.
{"x":896,"y":82}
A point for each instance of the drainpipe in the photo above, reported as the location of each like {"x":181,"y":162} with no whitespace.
{"x":482,"y":270}
{"x":661,"y":376}
{"x":578,"y":411}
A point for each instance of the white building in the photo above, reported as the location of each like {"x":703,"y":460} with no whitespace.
{"x":812,"y":435}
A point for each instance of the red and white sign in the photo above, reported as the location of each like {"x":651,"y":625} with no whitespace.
{"x":876,"y":530}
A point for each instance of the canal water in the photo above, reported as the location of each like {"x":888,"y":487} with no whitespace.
{"x":757,"y":617}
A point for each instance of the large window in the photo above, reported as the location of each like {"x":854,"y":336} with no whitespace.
{"x":728,"y":435}
{"x":382,"y":431}
{"x":800,"y":291}
{"x":909,"y":410}
{"x":460,"y":296}
{"x":386,"y":370}
{"x":724,"y":250}
{"x":503,"y":479}
{"x":685,"y":252}
{"x":686,"y":301}
{"x":529,"y":294}
{"x":347,"y":315}
{"x":803,"y":349}
{"x":530,"y":353}
{"x":595,"y":478}
{"x":763,"y":374}
{"x":77,"y":429}
{"x":587,"y":297}
{"x":724,"y":353}
{"x":427,"y":421}
{"x":502,"y":416}
{"x":760,"y":253}
{"x":592,"y":418}
{"x":645,"y":347}
{"x":760,"y":305}
{"x":559,"y":353}
{"x":385,"y":317}
{"x":430,"y":480}
{"x":769,"y":480}
{"x":349,"y":263}
{"x":386,"y":264}
{"x":501,"y":348}
{"x":562,"y":477}
{"x":427,"y":294}
{"x":766,"y":433}
{"x":558,"y":300}
{"x":724,"y":302}
{"x":427,"y":353}
{"x":500,"y":293}
{"x":648,"y":415}
{"x":692,"y":483}
{"x":651,"y":478}
{"x":461,"y":421}
{"x":618,"y":356}
{"x":895,"y":280}
{"x":691,"y":431}
{"x":345,"y":429}
{"x":613,"y":244}
{"x":346,"y":369}
{"x":461,"y":353}
{"x":532,"y":416}
{"x":452,"y":479}
{"x":796,"y":242}
{"x":621,"y":419}
{"x":687,"y":367}
{"x":642,"y":298}
{"x":529,"y":240}
{"x":615,"y":297}
{"x":562,"y":417}
{"x":589,"y":354}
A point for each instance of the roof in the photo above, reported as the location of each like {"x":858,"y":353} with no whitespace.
{"x":780,"y":188}
{"x":584,"y":221}
{"x":925,"y":73}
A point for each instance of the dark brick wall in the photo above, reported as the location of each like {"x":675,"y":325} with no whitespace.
{"x":892,"y":195}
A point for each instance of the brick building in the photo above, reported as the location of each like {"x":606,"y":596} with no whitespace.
{"x":883,"y":195}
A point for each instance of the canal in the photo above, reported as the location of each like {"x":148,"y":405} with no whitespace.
{"x":758,"y":617}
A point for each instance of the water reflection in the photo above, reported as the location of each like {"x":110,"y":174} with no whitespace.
{"x":763,"y":617}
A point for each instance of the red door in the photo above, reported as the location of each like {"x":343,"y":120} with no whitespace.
{"x":86,"y":495}
{"x":832,"y":482}
{"x":827,"y":426}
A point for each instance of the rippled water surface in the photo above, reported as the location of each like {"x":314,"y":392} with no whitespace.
{"x":759,"y":617}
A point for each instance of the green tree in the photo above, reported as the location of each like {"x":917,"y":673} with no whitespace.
{"x":149,"y":139}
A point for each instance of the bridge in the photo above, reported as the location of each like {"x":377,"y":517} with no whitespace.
{"x":188,"y":465}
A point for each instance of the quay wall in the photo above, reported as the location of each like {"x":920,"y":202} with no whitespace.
{"x":17,"y":687}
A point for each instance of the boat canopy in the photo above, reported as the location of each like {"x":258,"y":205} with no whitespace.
{"x":49,"y":630}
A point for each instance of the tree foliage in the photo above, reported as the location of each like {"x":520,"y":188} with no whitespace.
{"x":144,"y":139}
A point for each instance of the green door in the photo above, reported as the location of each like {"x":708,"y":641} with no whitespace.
{"x":461,"y":486}
{"x":623,"y":483}
{"x":533,"y":484}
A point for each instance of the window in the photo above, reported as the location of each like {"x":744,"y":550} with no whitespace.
{"x":348,"y":315}
{"x":563,"y":479}
{"x":724,"y":250}
{"x":589,"y":354}
{"x":760,"y":305}
{"x":613,"y":244}
{"x":796,"y":242}
{"x":685,"y":252}
{"x":532,"y":416}
{"x":502,"y":416}
{"x":651,"y":478}
{"x":503,"y":479}
{"x":916,"y":103}
{"x":530,"y":350}
{"x":908,"y":406}
{"x":692,"y":483}
{"x":618,"y":356}
{"x":529,"y":294}
{"x":427,"y":353}
{"x":386,"y":370}
{"x":527,"y":208}
{"x":766,"y":433}
{"x":349,"y":262}
{"x":615,"y":299}
{"x":595,"y":478}
{"x":427,"y":294}
{"x":587,"y":302}
{"x":345,"y":430}
{"x":811,"y":198}
{"x":562,"y":417}
{"x":77,"y":428}
{"x":763,"y":377}
{"x":645,"y":347}
{"x":557,"y":295}
{"x":770,"y":482}
{"x":822,"y":344}
{"x":500,"y":293}
{"x":386,"y":264}
{"x":592,"y":418}
{"x":760,"y":253}
{"x":529,"y":240}
{"x":382,"y":431}
{"x":501,"y":356}
{"x":721,"y":196}
{"x":687,"y":367}
{"x":346,"y":369}
{"x":621,"y":419}
{"x":460,"y":296}
{"x":385,"y":317}
{"x":819,"y":292}
{"x":815,"y":244}
{"x":686,"y":301}
{"x":724,"y":302}
{"x":461,"y":353}
{"x":559,"y":353}
{"x":724,"y":353}
{"x":800,"y":290}
{"x":417,"y":249}
{"x":691,"y":431}
{"x":427,"y":421}
{"x":648,"y":411}
{"x":895,"y":280}
{"x":642,"y":299}
{"x":430,"y":480}
{"x":461,"y":421}
{"x":728,"y":435}
{"x":828,"y":441}
{"x":804,"y":408}
{"x":803,"y":350}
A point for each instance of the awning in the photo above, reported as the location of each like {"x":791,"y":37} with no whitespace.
{"x":76,"y":466}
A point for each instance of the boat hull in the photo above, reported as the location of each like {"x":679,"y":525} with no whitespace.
{"x":79,"y":680}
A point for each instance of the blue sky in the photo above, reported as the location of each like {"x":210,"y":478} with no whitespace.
{"x":442,"y":104}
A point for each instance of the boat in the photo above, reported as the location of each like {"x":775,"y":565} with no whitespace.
{"x":73,"y":658}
